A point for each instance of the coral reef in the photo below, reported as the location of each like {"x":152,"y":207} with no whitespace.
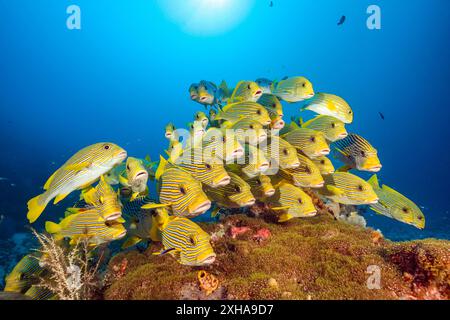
{"x":314,"y":258}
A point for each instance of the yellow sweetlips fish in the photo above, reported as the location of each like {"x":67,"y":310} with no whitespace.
{"x":246,"y":91}
{"x":80,"y":171}
{"x":187,"y":242}
{"x":280,"y":153}
{"x":112,"y":176}
{"x":291,"y":202}
{"x":196,"y":129}
{"x":357,"y":153}
{"x":137,"y":177}
{"x":221,"y":145}
{"x":307,"y":175}
{"x":261,"y":187}
{"x":250,"y":131}
{"x":334,"y":129}
{"x":193,"y":92}
{"x":236,"y":194}
{"x":310,"y":142}
{"x":206,"y":92}
{"x":86,"y":225}
{"x":272,"y":105}
{"x":293,"y":89}
{"x":237,"y":111}
{"x":324,"y":164}
{"x":180,"y":190}
{"x":394,"y":205}
{"x":104,"y":199}
{"x":265,"y":85}
{"x":145,"y":224}
{"x":330,"y":105}
{"x":255,"y":162}
{"x":346,"y":188}
{"x":202,"y":118}
{"x":170,"y":129}
{"x":26,"y":273}
{"x":209,"y":172}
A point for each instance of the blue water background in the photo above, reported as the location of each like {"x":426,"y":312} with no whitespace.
{"x":126,"y":74}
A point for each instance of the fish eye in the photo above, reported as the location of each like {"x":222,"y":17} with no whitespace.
{"x":248,"y":87}
{"x":192,"y":126}
{"x":405,"y":210}
{"x":300,"y":201}
{"x":182,"y":190}
{"x":224,"y":139}
{"x":258,"y":112}
{"x":251,"y":126}
{"x":106,"y":147}
{"x":322,"y":161}
{"x":307,"y":170}
{"x":420,"y":217}
{"x":350,"y":112}
{"x":285,"y":152}
{"x":304,"y":85}
{"x":312,"y":139}
{"x":237,"y":189}
{"x":208,"y":166}
{"x":274,"y":105}
{"x":360,"y":188}
{"x":333,"y":125}
{"x":363,"y":154}
{"x":258,"y":182}
{"x":192,"y":240}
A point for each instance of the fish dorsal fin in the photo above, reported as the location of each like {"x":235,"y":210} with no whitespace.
{"x":50,"y":180}
{"x":373,"y":181}
{"x":236,"y":89}
{"x":161,"y":168}
{"x":390,"y":190}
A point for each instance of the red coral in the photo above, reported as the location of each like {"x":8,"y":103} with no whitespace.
{"x":236,"y":231}
{"x":262,"y":234}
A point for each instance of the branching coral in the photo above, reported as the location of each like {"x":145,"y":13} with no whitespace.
{"x":71,"y":274}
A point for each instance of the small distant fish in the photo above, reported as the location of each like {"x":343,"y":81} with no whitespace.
{"x":13,"y":185}
{"x":381,"y":115}
{"x":2,"y":217}
{"x":3,"y":179}
{"x":342,"y":20}
{"x":271,"y":4}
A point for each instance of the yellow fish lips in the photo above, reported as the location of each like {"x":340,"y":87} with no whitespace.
{"x":221,"y":181}
{"x":268,"y":190}
{"x":120,"y":155}
{"x":206,"y":257}
{"x":371,"y":164}
{"x":200,"y":206}
{"x":277,"y":124}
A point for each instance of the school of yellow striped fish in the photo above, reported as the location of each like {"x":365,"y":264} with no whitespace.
{"x":237,"y":152}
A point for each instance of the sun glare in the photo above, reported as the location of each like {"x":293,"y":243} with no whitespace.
{"x":206,"y":17}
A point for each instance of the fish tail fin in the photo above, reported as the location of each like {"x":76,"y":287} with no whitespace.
{"x":285,"y":217}
{"x":373,"y":181}
{"x":224,"y":87}
{"x":52,"y":227}
{"x":35,"y":208}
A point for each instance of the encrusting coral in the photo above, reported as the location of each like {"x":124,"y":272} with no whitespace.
{"x":315,"y":258}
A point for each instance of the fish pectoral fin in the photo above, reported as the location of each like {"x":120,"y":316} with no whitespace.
{"x":163,"y":252}
{"x":134,"y":196}
{"x":285,"y":217}
{"x":124,"y":181}
{"x":59,"y":198}
{"x":77,"y":166}
{"x":89,"y":195}
{"x":335,"y":190}
{"x":131,"y":241}
{"x":373,"y":181}
{"x":280,"y":208}
{"x":154,"y":206}
{"x":344,"y":168}
{"x":52,"y":227}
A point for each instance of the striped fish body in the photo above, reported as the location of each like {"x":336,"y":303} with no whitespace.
{"x":293,"y":89}
{"x":221,"y":145}
{"x":272,"y":105}
{"x":291,"y":202}
{"x":86,"y":225}
{"x":357,"y":153}
{"x":136,"y":175}
{"x":188,"y":243}
{"x":394,"y":205}
{"x":24,"y":275}
{"x":334,"y":129}
{"x":261,"y":187}
{"x":306,"y":175}
{"x":249,"y":131}
{"x":81,"y":170}
{"x":281,"y":154}
{"x":254,"y":162}
{"x":241,"y":110}
{"x":37,"y":292}
{"x":310,"y":142}
{"x":209,"y":172}
{"x":105,"y":200}
{"x":246,"y":91}
{"x":330,"y":105}
{"x":183,"y":193}
{"x":236,"y":194}
{"x":346,"y":188}
{"x":324,"y":164}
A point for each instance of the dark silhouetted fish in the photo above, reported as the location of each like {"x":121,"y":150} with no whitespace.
{"x":341,"y":21}
{"x":381,"y":115}
{"x":271,"y":4}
